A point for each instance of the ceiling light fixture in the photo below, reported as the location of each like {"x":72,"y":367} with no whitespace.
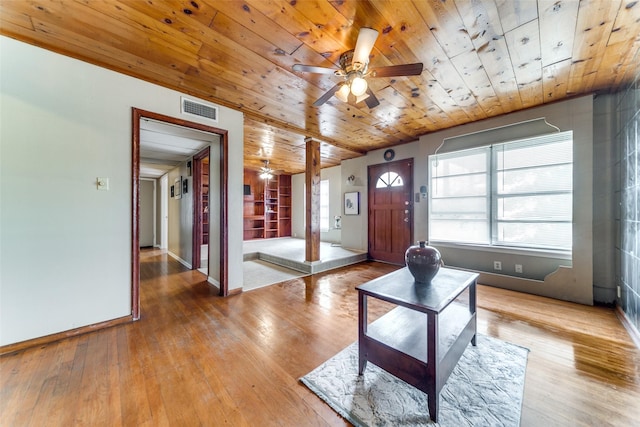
{"x":358,"y":86}
{"x":266,"y":172}
{"x":343,"y":93}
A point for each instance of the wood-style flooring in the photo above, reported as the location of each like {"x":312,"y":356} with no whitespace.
{"x":197,"y":359}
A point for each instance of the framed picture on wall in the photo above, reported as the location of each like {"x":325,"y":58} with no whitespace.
{"x":352,"y":203}
{"x":178,"y":187}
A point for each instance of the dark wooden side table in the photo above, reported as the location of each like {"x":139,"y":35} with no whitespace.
{"x":422,"y":339}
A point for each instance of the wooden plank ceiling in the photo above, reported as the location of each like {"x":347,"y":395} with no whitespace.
{"x":482,"y":58}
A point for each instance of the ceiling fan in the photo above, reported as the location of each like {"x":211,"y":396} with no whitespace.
{"x":265,"y":171}
{"x":354,"y":70}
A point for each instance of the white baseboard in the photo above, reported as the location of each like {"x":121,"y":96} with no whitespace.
{"x":180,"y":260}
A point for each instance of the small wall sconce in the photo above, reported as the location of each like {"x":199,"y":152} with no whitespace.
{"x":351,"y":179}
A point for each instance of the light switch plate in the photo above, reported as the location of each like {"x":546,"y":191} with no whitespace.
{"x":102,"y":183}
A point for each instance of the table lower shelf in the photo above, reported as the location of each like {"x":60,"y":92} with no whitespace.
{"x":405,"y":330}
{"x":398,"y":342}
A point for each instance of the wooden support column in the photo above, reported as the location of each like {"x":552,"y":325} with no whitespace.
{"x":312,"y":212}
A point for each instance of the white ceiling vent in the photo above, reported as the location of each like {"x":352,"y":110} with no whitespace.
{"x":194,"y":108}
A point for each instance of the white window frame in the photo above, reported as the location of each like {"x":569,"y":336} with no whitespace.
{"x":489,"y":219}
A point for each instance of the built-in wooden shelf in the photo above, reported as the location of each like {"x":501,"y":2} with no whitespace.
{"x":267,"y":209}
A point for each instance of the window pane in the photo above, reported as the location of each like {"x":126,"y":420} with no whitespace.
{"x":522,"y":197}
{"x":462,"y":185}
{"x":459,"y":204}
{"x":549,"y":207}
{"x":540,"y":235}
{"x":324,"y":205}
{"x":551,"y":178}
{"x":462,"y":208}
{"x":471,"y":161}
{"x":389,"y":179}
{"x":459,"y":231}
{"x":524,"y":155}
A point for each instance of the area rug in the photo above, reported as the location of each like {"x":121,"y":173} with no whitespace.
{"x":485,"y":389}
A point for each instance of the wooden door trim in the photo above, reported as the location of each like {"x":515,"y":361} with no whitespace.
{"x":197,"y":208}
{"x":137,"y":115}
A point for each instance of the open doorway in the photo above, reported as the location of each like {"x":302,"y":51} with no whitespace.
{"x":164,"y":211}
{"x":201,"y":214}
{"x":220,"y":228}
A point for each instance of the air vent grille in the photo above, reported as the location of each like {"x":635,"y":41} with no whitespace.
{"x":199,"y":109}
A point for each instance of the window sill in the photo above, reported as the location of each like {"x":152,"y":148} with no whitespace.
{"x":541,"y":253}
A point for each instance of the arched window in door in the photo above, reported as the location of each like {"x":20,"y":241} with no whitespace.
{"x":389,"y":179}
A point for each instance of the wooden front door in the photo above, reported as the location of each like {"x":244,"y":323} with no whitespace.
{"x":390,"y":210}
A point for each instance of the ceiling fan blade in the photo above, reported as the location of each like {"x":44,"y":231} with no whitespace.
{"x":324,"y":98}
{"x":366,"y":39}
{"x":398,"y":70}
{"x":313,"y":69}
{"x":371,"y":100}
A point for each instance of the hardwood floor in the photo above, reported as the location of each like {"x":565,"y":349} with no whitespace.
{"x":197,"y":359}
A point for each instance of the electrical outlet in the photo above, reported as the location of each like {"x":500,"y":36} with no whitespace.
{"x":518,"y":268}
{"x":497,"y":265}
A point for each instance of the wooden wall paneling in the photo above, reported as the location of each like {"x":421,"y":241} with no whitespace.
{"x":472,"y":71}
{"x":444,"y":21}
{"x":396,"y":105}
{"x":594,"y":23}
{"x":482,"y":21}
{"x":524,"y":48}
{"x":620,"y":61}
{"x":625,"y":27}
{"x":423,"y":48}
{"x":239,"y":55}
{"x":279,"y":56}
{"x":514,"y":14}
{"x":555,"y":81}
{"x":309,"y":31}
{"x":440,"y":103}
{"x":255,"y":22}
{"x":557,"y":26}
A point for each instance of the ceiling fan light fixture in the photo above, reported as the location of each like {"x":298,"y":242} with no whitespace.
{"x":366,"y":39}
{"x":358,"y":86}
{"x":343,"y":93}
{"x":266,"y":172}
{"x":362,"y":98}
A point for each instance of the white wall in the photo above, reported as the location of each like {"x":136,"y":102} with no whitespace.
{"x":577,"y":115}
{"x":354,"y":227}
{"x":297,"y":206}
{"x":180,"y":219}
{"x":147,"y":224}
{"x":334,"y":176}
{"x":65,"y":247}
